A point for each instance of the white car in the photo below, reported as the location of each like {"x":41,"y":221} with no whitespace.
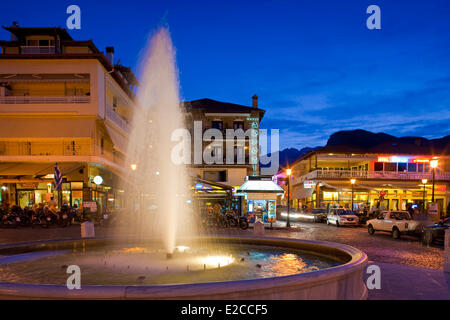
{"x":395,"y":222}
{"x":341,"y":217}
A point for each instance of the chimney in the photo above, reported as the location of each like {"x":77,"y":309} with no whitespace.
{"x":255,"y":101}
{"x":15,"y":24}
{"x":110,"y":55}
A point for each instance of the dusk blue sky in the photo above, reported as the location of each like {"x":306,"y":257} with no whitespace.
{"x":315,"y":66}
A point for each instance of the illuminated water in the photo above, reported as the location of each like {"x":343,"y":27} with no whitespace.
{"x":147,"y":265}
{"x":158,"y":190}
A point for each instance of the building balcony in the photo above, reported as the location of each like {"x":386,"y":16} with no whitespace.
{"x":57,"y":151}
{"x":38,"y":49}
{"x":371,"y":175}
{"x":44,"y":99}
{"x":115,"y":118}
{"x":25,"y":148}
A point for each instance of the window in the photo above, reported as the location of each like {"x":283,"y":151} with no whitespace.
{"x":217,"y":151}
{"x":216,"y":176}
{"x":402,"y":167}
{"x":420,"y":167}
{"x":412,"y":167}
{"x":427,"y":167}
{"x":390,"y":166}
{"x":378,"y":166}
{"x":238,"y":125}
{"x":217,"y":125}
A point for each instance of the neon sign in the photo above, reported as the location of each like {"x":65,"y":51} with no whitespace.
{"x":393,"y":159}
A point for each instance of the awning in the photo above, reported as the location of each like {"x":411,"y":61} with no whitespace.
{"x":206,"y":188}
{"x":302,"y":193}
{"x":260,"y":186}
{"x":46,"y":128}
{"x":120,"y":142}
{"x":36,"y":169}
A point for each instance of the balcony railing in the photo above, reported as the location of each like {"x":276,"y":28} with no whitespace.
{"x":23,"y":148}
{"x":44,"y":99}
{"x":366,"y":175}
{"x":38,"y":49}
{"x":117,"y":119}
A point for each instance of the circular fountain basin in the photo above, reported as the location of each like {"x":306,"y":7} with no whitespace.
{"x":222,"y":267}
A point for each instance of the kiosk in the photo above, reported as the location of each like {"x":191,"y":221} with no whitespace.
{"x":260,"y":198}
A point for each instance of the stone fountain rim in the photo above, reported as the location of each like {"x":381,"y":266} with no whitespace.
{"x":358,"y":260}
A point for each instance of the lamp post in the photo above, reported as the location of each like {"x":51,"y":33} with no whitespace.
{"x":288,"y":173}
{"x":433,"y":165}
{"x":424,"y":182}
{"x":352,"y":181}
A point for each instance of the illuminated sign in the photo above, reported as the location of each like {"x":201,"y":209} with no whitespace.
{"x":308,"y":184}
{"x":98,"y":180}
{"x":421,"y":160}
{"x":198,"y":186}
{"x":399,"y":159}
{"x":393,"y":159}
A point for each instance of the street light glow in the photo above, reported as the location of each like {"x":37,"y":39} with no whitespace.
{"x":288,"y":172}
{"x":353,"y":181}
{"x":424,"y":181}
{"x":133,"y":166}
{"x":433,"y":164}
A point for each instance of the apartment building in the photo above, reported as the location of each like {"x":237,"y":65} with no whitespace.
{"x":61,"y":101}
{"x":218,"y":180}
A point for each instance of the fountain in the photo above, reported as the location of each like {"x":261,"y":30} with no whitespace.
{"x":164,"y":257}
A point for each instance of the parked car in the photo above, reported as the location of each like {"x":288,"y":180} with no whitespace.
{"x":320,"y":215}
{"x":363,"y":218}
{"x":395,"y":222}
{"x":435,"y":233}
{"x":341,"y":217}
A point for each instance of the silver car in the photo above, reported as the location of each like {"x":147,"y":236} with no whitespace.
{"x":342,"y":217}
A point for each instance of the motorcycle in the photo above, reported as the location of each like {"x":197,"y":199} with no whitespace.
{"x":64,"y":217}
{"x":235,"y":221}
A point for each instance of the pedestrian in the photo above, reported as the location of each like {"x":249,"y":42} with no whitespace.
{"x":52,"y":204}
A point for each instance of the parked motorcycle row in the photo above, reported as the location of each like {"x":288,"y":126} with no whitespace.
{"x":226,"y":220}
{"x":44,"y":217}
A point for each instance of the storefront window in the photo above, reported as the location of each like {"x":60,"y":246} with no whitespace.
{"x":378,"y":166}
{"x":390,"y":166}
{"x":402,"y":167}
{"x":420,"y":167}
{"x":412,"y":167}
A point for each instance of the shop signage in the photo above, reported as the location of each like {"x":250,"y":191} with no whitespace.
{"x":432,"y":208}
{"x":383,"y":193}
{"x":92,"y":205}
{"x":30,"y":185}
{"x":418,"y":194}
{"x":309,"y":184}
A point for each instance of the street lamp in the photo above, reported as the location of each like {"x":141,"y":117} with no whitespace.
{"x":288,"y":173}
{"x":424,"y":182}
{"x":133,"y":166}
{"x":352,"y":181}
{"x":433,"y":165}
